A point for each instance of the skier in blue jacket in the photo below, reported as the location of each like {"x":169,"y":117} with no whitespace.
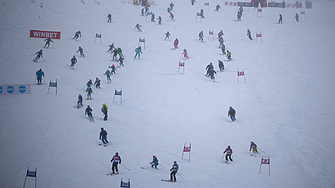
{"x":38,"y":54}
{"x":48,"y":40}
{"x":88,"y":112}
{"x":103,"y":136}
{"x":154,"y":162}
{"x":138,"y":51}
{"x":39,"y":75}
{"x":80,"y":101}
{"x":81,"y":52}
{"x":138,"y":27}
{"x":73,"y":61}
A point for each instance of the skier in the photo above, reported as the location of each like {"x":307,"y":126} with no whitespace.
{"x":38,"y":55}
{"x":109,"y":18}
{"x":202,"y":13}
{"x":241,"y":9}
{"x":171,"y":16}
{"x":39,"y":75}
{"x":142,"y":12}
{"x":229,"y":55}
{"x":280,"y":19}
{"x":185,"y":53}
{"x":223,"y":49}
{"x":168,"y":10}
{"x":89,"y":83}
{"x":167,"y":35}
{"x":80,"y":101}
{"x":296,"y":17}
{"x":221,"y":66}
{"x":153,"y":17}
{"x":239,"y":15}
{"x":138,"y":27}
{"x":88,"y":112}
{"x":119,"y":51}
{"x":89,"y":93}
{"x":97,"y":83}
{"x":171,"y":6}
{"x":108,"y":75}
{"x":220,"y":34}
{"x":121,"y":60}
{"x":81,"y":52}
{"x":192,"y":2}
{"x":221,"y":40}
{"x":208,"y":68}
{"x":138,"y":51}
{"x":175,"y":43}
{"x":103,"y":136}
{"x":104,"y":111}
{"x":232,"y":113}
{"x":48,"y":40}
{"x":111,"y":47}
{"x":253,"y":146}
{"x":249,"y":34}
{"x":217,"y":7}
{"x":115,"y":160}
{"x":113,"y":69}
{"x":159,"y":20}
{"x":154,"y":162}
{"x":228,"y":154}
{"x":115,"y":52}
{"x":76,"y":35}
{"x":73,"y":61}
{"x":201,"y":36}
{"x":174,"y":170}
{"x":211,"y":73}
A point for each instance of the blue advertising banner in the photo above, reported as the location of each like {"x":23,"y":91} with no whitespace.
{"x":15,"y":89}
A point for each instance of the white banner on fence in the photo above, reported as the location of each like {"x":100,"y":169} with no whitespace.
{"x":15,"y":89}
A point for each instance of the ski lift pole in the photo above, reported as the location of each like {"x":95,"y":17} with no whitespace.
{"x":125,"y":167}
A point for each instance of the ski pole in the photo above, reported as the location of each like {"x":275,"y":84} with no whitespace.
{"x":94,"y":116}
{"x":161,"y":166}
{"x":43,"y":58}
{"x":102,"y":76}
{"x":181,"y":176}
{"x":125,"y":167}
{"x":117,"y":71}
{"x":261,"y":150}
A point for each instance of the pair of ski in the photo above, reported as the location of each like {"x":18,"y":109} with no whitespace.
{"x":112,"y":174}
{"x":167,"y":180}
{"x":102,"y":145}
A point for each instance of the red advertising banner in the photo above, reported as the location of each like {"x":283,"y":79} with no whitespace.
{"x":45,"y":34}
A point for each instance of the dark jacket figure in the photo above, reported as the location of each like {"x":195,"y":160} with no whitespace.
{"x":208,"y":68}
{"x":104,"y":111}
{"x":232,"y":113}
{"x":192,"y":2}
{"x":103,"y":136}
{"x":228,"y":55}
{"x":249,"y":34}
{"x":228,"y":152}
{"x":115,"y":160}
{"x":80,"y":100}
{"x":108,"y":75}
{"x":296,"y":17}
{"x":88,"y":111}
{"x":89,"y":83}
{"x":73,"y":61}
{"x":113,"y":69}
{"x":38,"y":54}
{"x":39,"y":75}
{"x":280,"y":19}
{"x":48,"y":40}
{"x":174,"y":171}
{"x":76,"y":35}
{"x":81,"y":50}
{"x":97,"y":83}
{"x":221,"y":66}
{"x":211,"y":73}
{"x":109,"y":18}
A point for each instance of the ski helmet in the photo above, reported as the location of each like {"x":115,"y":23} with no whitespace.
{"x":116,"y":153}
{"x":90,"y":80}
{"x":174,"y":161}
{"x":228,"y":146}
{"x":113,"y":65}
{"x":88,"y":106}
{"x":153,"y":156}
{"x":74,"y":56}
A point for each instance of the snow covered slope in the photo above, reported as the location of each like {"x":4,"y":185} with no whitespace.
{"x":286,"y":106}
